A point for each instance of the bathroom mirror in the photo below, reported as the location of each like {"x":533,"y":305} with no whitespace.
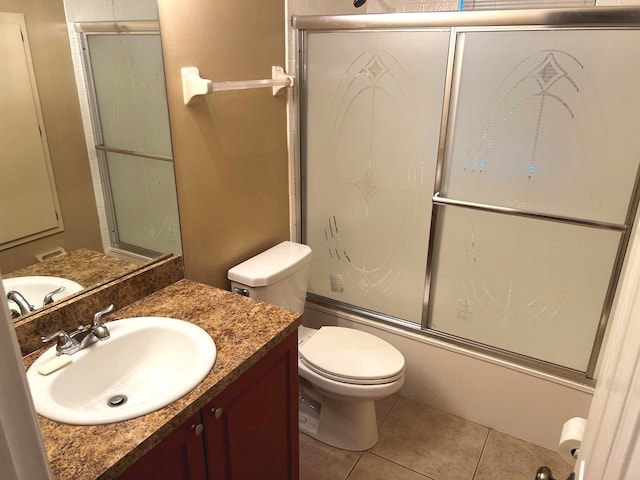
{"x":55,"y":79}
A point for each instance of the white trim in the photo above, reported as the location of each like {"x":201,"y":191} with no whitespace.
{"x":87,"y":122}
{"x":128,"y":256}
{"x":610,"y":448}
{"x":22,"y":451}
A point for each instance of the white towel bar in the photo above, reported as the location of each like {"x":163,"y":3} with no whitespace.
{"x":193,"y":85}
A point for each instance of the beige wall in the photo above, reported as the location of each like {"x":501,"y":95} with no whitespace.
{"x":49,"y":44}
{"x":230,"y":149}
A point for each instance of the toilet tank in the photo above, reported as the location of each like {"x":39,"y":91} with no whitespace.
{"x":278,"y":276}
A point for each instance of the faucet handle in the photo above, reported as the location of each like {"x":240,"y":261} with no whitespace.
{"x":48,"y":298}
{"x":97,"y":318}
{"x":99,"y":328}
{"x":64,"y":341}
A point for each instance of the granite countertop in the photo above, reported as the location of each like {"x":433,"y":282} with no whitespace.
{"x":243,"y":329}
{"x":83,"y":266}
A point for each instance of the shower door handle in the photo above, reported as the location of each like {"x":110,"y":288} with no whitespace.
{"x":516,"y":212}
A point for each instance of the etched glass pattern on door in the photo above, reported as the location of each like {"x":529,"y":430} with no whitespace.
{"x":130,"y":92}
{"x":539,"y":126}
{"x":373,"y":114}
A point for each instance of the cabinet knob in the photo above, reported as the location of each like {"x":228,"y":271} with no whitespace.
{"x":217,"y":412}
{"x":197,"y":429}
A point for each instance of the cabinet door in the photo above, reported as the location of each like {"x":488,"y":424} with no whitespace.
{"x":251,"y":429}
{"x":180,"y":456}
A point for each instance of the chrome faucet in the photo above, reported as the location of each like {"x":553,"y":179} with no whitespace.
{"x":23,"y":304}
{"x":83,"y":337}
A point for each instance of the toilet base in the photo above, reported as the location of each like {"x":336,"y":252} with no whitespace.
{"x":348,"y":425}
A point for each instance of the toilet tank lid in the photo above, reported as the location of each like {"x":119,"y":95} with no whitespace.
{"x":271,"y":265}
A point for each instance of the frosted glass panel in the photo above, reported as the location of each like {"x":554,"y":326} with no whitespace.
{"x":372,"y":120}
{"x":546,"y":121}
{"x":144,"y":198}
{"x":527,"y":286}
{"x":131,"y":94}
{"x":128,"y":77}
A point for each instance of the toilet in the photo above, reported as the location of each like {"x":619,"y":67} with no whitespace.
{"x":342,"y":371}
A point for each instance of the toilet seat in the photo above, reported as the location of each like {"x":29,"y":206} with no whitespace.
{"x":351,"y":356}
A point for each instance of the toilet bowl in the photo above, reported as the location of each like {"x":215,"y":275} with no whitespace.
{"x":342,"y":371}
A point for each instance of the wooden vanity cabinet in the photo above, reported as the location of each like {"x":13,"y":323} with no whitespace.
{"x":179,"y":456}
{"x":250,"y":430}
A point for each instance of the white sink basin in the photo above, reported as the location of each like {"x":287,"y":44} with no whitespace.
{"x":152,"y":361}
{"x":34,"y":289}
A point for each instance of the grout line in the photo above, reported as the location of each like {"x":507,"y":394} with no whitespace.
{"x":384,"y":419}
{"x":486,"y":440}
{"x":401,"y":465}
{"x":347,"y":472}
{"x":395,"y":401}
{"x":354,"y":465}
{"x":386,"y":416}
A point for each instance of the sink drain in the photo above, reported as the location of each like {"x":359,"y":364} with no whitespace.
{"x":117,"y":400}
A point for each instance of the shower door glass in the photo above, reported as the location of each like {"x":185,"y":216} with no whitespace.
{"x":539,"y":174}
{"x":477,"y":183}
{"x":131,"y":103}
{"x":527,"y":286}
{"x":373,"y":106}
{"x":544,"y":121}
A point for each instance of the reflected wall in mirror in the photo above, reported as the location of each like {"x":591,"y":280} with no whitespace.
{"x":81,"y":173}
{"x":33,"y":207}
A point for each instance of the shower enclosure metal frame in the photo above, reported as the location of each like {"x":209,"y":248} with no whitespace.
{"x":459,"y":22}
{"x":86,"y":29}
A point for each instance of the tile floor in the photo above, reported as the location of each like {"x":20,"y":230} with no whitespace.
{"x":418,"y":442}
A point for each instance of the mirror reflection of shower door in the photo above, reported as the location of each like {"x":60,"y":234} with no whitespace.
{"x":134,"y":148}
{"x":373,"y":105}
{"x":548,"y":130}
